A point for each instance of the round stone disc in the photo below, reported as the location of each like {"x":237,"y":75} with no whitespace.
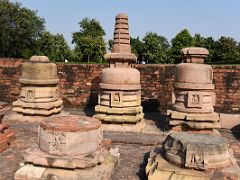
{"x":70,"y":123}
{"x":70,"y":135}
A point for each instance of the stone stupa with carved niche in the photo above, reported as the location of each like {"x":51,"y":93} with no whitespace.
{"x":119,"y":99}
{"x":39,"y":94}
{"x":194,"y":93}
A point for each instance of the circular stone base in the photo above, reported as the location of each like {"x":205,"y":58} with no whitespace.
{"x":199,"y":151}
{"x":14,"y":116}
{"x":36,"y":156}
{"x":70,"y":135}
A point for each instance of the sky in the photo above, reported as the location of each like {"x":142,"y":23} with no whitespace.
{"x":214,"y":18}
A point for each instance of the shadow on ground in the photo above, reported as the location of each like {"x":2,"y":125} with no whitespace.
{"x":159,"y":119}
{"x":236,"y":131}
{"x":142,"y":173}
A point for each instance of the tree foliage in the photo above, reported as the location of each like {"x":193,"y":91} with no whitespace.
{"x":23,"y":34}
{"x":20,"y":28}
{"x":155,"y":48}
{"x":89,"y":41}
{"x":181,"y":40}
{"x":53,"y":46}
{"x":137,"y":48}
{"x":226,"y":49}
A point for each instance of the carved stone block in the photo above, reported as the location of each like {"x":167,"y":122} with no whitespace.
{"x":195,"y":99}
{"x":116,"y":99}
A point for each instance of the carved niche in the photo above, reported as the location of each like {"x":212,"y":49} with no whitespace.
{"x":116,"y":99}
{"x":194,"y":99}
{"x":58,"y":142}
{"x":195,"y":158}
{"x":30,"y":94}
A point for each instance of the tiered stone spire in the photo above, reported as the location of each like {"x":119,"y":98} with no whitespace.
{"x":121,"y":49}
{"x":120,"y":89}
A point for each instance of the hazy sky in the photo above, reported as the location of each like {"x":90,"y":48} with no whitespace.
{"x":165,"y":17}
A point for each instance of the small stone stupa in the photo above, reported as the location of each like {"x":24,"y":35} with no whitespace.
{"x":7,"y":135}
{"x":193,"y":156}
{"x":120,"y":90}
{"x":39,"y":95}
{"x":194,"y":92}
{"x":69,"y":147}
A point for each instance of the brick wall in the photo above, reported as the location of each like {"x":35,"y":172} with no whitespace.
{"x":79,"y":84}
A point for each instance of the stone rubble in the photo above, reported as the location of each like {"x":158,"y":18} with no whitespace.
{"x":7,"y":135}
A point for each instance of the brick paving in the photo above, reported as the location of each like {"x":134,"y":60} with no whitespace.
{"x":133,"y":156}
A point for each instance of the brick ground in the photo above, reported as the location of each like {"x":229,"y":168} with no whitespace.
{"x":132,"y":160}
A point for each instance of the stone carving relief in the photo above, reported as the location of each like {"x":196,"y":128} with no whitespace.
{"x":30,"y":94}
{"x":195,"y":159}
{"x":58,"y":142}
{"x":116,"y":99}
{"x":194,"y":99}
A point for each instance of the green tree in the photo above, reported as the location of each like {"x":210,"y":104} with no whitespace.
{"x":89,"y":41}
{"x":19,"y":30}
{"x":155,"y":48}
{"x":208,"y":43}
{"x":198,"y":40}
{"x":137,"y":47}
{"x":181,"y":40}
{"x":110,"y":44}
{"x":53,"y":46}
{"x":226,"y":49}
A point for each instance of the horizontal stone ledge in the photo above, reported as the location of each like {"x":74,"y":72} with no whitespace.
{"x":193,"y":86}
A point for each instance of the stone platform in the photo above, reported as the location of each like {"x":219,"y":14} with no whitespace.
{"x":14,"y":116}
{"x":98,"y":172}
{"x":193,"y":120}
{"x":119,"y":115}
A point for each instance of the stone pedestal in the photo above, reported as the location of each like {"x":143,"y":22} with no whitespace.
{"x":7,"y":135}
{"x":69,"y":147}
{"x":194,"y":94}
{"x":39,"y":88}
{"x":119,"y":100}
{"x":193,"y":156}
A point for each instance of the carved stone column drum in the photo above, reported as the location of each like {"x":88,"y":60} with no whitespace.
{"x":39,"y":88}
{"x":69,"y":147}
{"x":70,"y":135}
{"x":119,"y":98}
{"x":194,"y":94}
